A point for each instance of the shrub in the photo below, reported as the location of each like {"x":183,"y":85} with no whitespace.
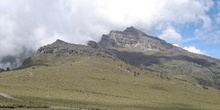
{"x":8,"y":69}
{"x":204,"y":87}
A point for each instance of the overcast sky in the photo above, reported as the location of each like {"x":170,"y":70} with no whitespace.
{"x":28,"y":24}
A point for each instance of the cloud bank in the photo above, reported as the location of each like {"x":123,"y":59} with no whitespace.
{"x":171,"y":36}
{"x":194,"y":50}
{"x":27,"y":24}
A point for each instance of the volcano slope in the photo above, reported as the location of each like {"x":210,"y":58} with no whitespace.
{"x":68,"y":76}
{"x":141,"y":50}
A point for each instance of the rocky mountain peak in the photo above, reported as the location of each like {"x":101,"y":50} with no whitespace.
{"x":59,"y":42}
{"x":133,"y":39}
{"x":133,"y":31}
{"x":132,"y":28}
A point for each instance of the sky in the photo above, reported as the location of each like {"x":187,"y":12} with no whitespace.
{"x":25,"y":25}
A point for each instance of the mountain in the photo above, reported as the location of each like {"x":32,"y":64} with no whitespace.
{"x":139,"y":49}
{"x":49,"y":54}
{"x":126,"y":70}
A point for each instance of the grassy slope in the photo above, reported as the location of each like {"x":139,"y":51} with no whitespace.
{"x":103,"y":83}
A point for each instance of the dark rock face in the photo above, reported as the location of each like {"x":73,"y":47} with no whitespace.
{"x":93,"y":44}
{"x":106,"y":41}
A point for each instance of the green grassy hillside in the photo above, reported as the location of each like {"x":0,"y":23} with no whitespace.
{"x":100,"y":83}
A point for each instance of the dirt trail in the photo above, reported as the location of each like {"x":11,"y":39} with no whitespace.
{"x":8,"y":96}
{"x":69,"y":108}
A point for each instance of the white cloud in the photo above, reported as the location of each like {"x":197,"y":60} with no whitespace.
{"x":33,"y":23}
{"x":211,"y":35}
{"x":218,"y":18}
{"x":218,"y":14}
{"x":207,"y":22}
{"x":176,"y":45}
{"x":194,"y":50}
{"x":171,"y":36}
{"x":211,"y":30}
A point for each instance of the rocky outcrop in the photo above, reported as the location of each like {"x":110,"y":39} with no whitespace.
{"x":93,"y":44}
{"x":61,"y":48}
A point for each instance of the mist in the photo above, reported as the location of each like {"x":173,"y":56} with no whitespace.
{"x":25,"y":25}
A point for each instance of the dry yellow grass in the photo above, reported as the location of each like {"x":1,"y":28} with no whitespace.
{"x":102,"y":83}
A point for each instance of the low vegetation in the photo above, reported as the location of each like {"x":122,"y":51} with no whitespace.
{"x":100,"y":83}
